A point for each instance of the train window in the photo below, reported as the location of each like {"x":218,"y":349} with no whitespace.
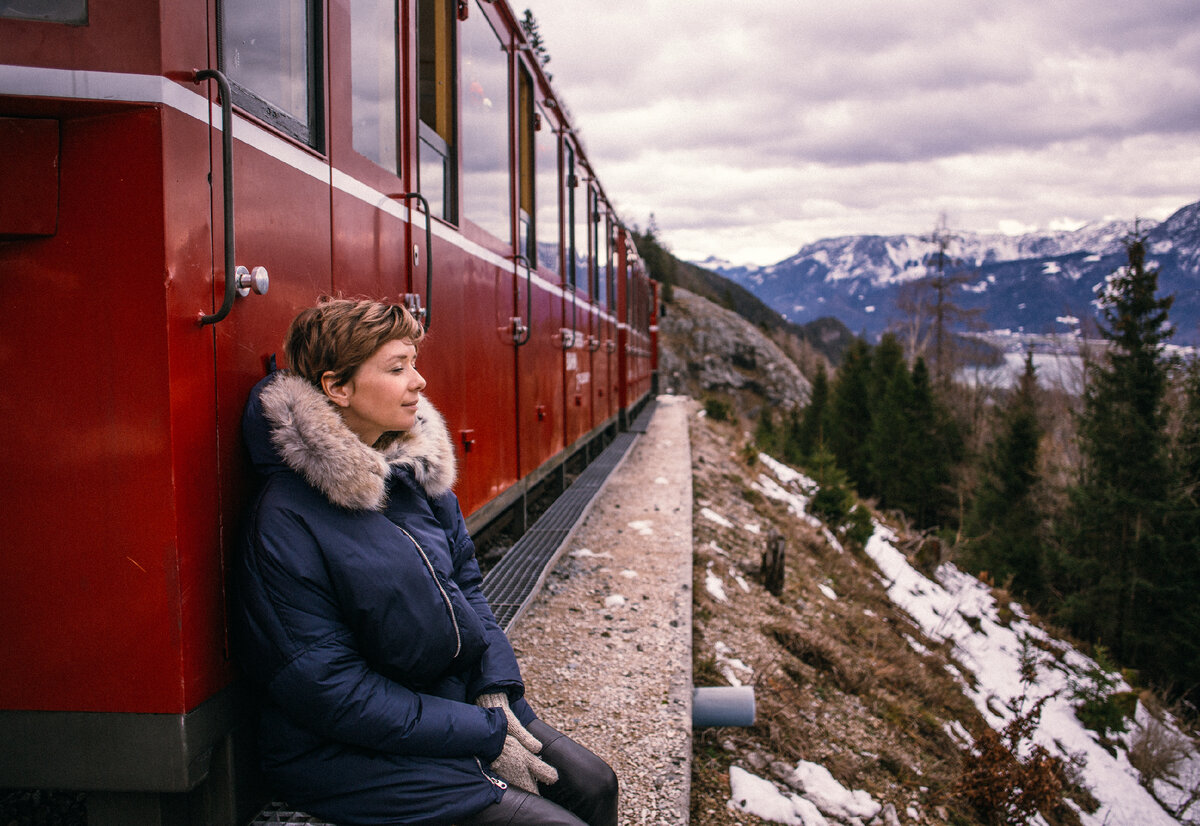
{"x":485,"y":131}
{"x":50,"y":11}
{"x":435,"y":106}
{"x":577,"y":216}
{"x":547,"y":223}
{"x":526,"y":125}
{"x":374,"y":70}
{"x":599,"y":248}
{"x":603,"y":256}
{"x":270,"y":52}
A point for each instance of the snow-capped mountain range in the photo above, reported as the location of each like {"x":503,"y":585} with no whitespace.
{"x":1040,"y":283}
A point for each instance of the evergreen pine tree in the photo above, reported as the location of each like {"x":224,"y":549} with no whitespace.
{"x":935,"y":445}
{"x":766,"y":437}
{"x":1120,"y":579}
{"x":889,"y":392}
{"x":790,"y":438}
{"x":848,"y":422}
{"x":891,"y":448}
{"x":886,"y":361}
{"x":661,"y":265}
{"x":810,"y":433}
{"x":1004,"y":521}
{"x":1184,"y":539}
{"x":536,"y":43}
{"x":1186,"y":450}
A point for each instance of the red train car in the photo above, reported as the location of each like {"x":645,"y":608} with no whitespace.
{"x":178,"y":179}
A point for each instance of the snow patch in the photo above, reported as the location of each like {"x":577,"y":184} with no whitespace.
{"x":753,"y":795}
{"x":713,"y":516}
{"x":715,"y":585}
{"x":587,"y":553}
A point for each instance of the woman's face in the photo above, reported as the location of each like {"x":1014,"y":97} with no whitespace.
{"x":382,"y":395}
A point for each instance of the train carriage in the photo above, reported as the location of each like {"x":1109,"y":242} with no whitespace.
{"x":179,"y":178}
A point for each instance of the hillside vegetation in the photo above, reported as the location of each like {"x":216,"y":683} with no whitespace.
{"x":955,"y":710}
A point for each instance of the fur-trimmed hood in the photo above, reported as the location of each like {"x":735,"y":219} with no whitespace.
{"x":290,"y":422}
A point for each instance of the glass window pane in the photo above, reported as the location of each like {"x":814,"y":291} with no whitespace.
{"x":603,"y":255}
{"x":577,"y":192}
{"x":435,"y":106}
{"x":432,"y":164}
{"x":51,"y":11}
{"x":525,"y":148}
{"x":546,"y":225}
{"x":373,"y":80}
{"x":485,"y":96}
{"x":267,"y":51}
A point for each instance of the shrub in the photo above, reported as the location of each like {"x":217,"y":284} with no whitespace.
{"x":1005,"y":788}
{"x":716,"y":409}
{"x":1157,"y":752}
{"x":1099,"y":706}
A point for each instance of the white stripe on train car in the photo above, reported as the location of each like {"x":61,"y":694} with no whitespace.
{"x":34,"y":81}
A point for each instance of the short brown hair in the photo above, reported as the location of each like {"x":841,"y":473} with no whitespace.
{"x":339,"y":334}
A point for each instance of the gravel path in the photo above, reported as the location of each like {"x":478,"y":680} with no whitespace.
{"x":605,"y":648}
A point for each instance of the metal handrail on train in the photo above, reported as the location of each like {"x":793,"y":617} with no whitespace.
{"x":428,"y":311}
{"x":522,"y":331}
{"x":238,"y":280}
{"x":227,"y":189}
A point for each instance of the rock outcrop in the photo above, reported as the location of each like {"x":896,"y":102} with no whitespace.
{"x":706,"y":349}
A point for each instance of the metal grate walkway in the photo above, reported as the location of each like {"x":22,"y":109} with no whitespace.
{"x":511,"y":585}
{"x":642,"y":421}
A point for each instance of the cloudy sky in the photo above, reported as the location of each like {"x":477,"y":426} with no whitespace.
{"x":751,"y":127}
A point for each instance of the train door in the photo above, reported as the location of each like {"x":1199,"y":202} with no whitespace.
{"x":577,"y":368}
{"x":375,"y":250}
{"x":539,"y":300}
{"x":272,"y":57}
{"x":464,"y":167}
{"x":624,"y":275}
{"x":602,"y":401}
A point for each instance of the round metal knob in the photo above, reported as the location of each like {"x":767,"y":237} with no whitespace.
{"x":257,"y":280}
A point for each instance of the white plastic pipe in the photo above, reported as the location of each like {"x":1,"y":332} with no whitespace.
{"x":723,"y":706}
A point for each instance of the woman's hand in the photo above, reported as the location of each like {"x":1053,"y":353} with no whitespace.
{"x":521,"y":768}
{"x":515,"y":729}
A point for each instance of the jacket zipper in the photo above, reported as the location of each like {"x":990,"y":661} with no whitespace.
{"x":496,"y":781}
{"x":441,"y":590}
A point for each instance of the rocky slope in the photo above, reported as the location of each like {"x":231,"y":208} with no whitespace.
{"x":706,"y":350}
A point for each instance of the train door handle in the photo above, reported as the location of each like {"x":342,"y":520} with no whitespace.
{"x":231,"y":274}
{"x":412,"y":300}
{"x":521,"y":328}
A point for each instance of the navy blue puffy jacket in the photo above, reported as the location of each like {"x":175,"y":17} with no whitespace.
{"x":359,"y":619}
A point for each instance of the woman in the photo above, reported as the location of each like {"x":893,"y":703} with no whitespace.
{"x":389,"y":693}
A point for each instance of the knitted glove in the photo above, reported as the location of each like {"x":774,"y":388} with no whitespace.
{"x":515,"y":729}
{"x":521,"y":769}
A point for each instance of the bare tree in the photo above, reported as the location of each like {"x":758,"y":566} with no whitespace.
{"x":933,"y":318}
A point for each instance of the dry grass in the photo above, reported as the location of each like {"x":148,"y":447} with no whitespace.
{"x":837,"y":680}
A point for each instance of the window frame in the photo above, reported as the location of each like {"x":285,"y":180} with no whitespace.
{"x":441,"y":136}
{"x":310,"y":133}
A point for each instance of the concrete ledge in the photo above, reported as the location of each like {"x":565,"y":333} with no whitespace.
{"x":605,"y":645}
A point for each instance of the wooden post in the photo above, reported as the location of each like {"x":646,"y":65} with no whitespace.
{"x":772,"y":562}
